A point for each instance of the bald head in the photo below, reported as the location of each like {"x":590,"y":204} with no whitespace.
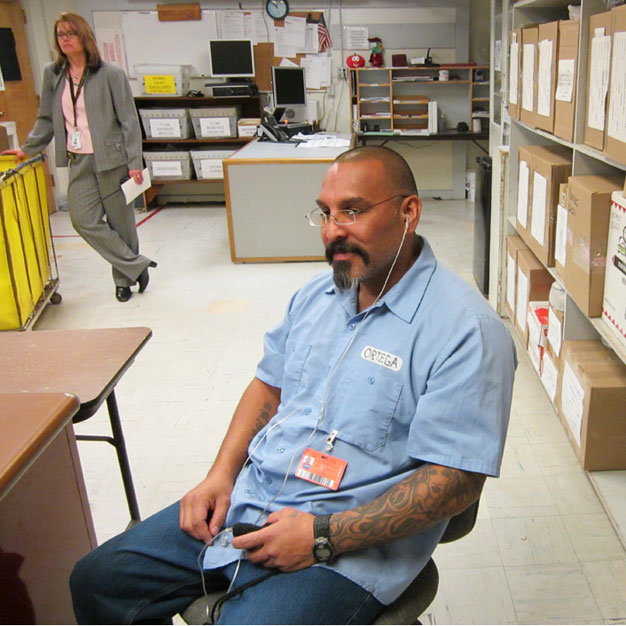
{"x":396,"y":170}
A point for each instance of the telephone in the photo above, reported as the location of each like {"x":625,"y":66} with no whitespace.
{"x":270,"y":130}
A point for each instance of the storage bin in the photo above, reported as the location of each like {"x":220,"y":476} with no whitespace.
{"x":215,"y":122}
{"x":173,"y":165}
{"x":208,"y":163}
{"x":164,"y":80}
{"x":165,"y":123}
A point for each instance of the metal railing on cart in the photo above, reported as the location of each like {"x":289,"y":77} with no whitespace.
{"x":29,"y":274}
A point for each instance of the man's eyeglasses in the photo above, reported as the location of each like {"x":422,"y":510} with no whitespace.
{"x":70,"y":34}
{"x":344,"y":217}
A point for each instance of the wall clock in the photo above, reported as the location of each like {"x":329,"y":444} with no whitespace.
{"x":277,"y":9}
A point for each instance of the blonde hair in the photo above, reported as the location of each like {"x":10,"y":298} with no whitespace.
{"x":86,"y":36}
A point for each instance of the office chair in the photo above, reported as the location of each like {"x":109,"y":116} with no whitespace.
{"x":406,"y":609}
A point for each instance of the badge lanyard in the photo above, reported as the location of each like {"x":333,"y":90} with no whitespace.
{"x":76,"y":135}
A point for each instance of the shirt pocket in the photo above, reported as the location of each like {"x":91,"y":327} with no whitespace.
{"x":366,"y":415}
{"x":294,"y":368}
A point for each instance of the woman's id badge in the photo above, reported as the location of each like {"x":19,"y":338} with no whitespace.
{"x":321,"y":469}
{"x":75,"y":142}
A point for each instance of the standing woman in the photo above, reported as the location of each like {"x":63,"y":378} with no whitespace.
{"x":88,"y":107}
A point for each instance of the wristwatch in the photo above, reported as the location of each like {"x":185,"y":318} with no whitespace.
{"x":323,"y":550}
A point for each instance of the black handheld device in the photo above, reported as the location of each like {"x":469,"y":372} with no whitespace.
{"x":241,"y":528}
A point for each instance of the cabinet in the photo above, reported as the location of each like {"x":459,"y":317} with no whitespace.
{"x":250,"y":106}
{"x":396,"y":100}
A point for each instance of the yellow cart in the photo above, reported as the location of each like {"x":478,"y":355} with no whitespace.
{"x":29,"y":275}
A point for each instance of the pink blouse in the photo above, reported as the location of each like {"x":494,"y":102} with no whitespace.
{"x":81,"y":120}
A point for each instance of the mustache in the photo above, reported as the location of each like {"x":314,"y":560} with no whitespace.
{"x":341,"y":247}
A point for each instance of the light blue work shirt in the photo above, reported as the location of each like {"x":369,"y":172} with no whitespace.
{"x":423,"y":376}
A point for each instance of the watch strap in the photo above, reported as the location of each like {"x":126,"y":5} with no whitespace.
{"x":321,"y":527}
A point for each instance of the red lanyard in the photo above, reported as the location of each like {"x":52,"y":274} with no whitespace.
{"x":76,"y":95}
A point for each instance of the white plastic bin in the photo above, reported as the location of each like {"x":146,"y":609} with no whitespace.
{"x":215,"y":122}
{"x":174,"y":165}
{"x":208,"y":163}
{"x":165,"y":123}
{"x":164,"y":80}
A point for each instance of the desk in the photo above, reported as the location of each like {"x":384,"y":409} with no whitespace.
{"x":86,"y":363}
{"x":45,"y":522}
{"x":269,"y":188}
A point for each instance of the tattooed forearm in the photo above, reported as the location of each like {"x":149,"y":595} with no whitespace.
{"x":431,"y":494}
{"x":265,"y":415}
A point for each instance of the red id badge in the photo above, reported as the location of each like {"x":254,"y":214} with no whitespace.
{"x":321,"y":469}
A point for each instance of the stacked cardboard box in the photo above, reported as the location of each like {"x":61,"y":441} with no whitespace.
{"x":565,"y":95}
{"x":529,"y":59}
{"x":591,"y":404}
{"x":588,"y":208}
{"x":514,"y":244}
{"x":615,"y":140}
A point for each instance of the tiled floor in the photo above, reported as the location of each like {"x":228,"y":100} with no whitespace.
{"x":543,"y":550}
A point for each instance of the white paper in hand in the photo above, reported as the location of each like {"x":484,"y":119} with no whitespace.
{"x":131,"y":189}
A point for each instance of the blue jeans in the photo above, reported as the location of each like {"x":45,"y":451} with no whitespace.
{"x":150,"y":573}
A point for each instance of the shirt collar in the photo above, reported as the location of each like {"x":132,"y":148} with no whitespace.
{"x":404,"y":298}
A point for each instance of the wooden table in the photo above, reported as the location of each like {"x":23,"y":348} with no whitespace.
{"x":85,"y":363}
{"x":45,"y":521}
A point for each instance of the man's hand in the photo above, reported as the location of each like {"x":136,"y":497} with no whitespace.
{"x":203,"y":510}
{"x":285,"y":543}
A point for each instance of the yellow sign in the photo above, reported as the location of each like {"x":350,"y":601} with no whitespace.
{"x":156,"y":84}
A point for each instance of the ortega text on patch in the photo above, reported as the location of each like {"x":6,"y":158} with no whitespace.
{"x":380,"y":357}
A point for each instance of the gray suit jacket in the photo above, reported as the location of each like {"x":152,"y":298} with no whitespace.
{"x":111,"y":113}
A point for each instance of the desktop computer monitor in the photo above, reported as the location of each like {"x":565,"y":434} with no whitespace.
{"x":288,"y":86}
{"x":231,"y":58}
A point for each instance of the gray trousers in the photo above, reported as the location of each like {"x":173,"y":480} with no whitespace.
{"x":91,"y":197}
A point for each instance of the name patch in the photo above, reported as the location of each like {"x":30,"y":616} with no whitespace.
{"x":380,"y":357}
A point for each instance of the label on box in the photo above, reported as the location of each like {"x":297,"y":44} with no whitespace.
{"x":157,"y":84}
{"x":528,"y":76}
{"x":215,"y":126}
{"x":538,"y":218}
{"x":165,"y":127}
{"x":555,"y":332}
{"x":572,"y":401}
{"x":510,"y":282}
{"x":565,"y":80}
{"x":549,"y":377}
{"x":598,"y":81}
{"x":211,"y":168}
{"x":560,"y":238}
{"x":513,"y":72}
{"x":535,"y":353}
{"x":544,"y":78}
{"x":522,"y":194}
{"x":616,"y":125}
{"x":522,"y":299}
{"x":167,"y":169}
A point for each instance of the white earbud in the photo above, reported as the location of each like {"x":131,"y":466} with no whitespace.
{"x":406,"y":224}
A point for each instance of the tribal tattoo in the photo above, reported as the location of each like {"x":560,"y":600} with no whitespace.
{"x":430,"y":495}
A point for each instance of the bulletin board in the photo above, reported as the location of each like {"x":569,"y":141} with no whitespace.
{"x":186,"y":43}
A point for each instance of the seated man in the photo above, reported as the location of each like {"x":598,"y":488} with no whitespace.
{"x":379,"y":407}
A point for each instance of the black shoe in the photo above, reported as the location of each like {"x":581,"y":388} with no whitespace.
{"x":123,"y":294}
{"x":144,"y":277}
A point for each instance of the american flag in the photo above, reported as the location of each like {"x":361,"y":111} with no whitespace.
{"x":323,"y":36}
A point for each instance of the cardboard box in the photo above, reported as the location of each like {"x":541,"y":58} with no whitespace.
{"x":533,"y":283}
{"x":547,"y":48}
{"x":567,"y":75}
{"x":246,"y":126}
{"x":524,"y":190}
{"x":537,"y":324}
{"x":599,"y":36}
{"x":615,"y":140}
{"x":560,"y":233}
{"x":529,"y":59}
{"x":514,"y":243}
{"x":515,"y":73}
{"x":552,"y":165}
{"x":588,"y":207}
{"x":591,"y":403}
{"x":614,"y":300}
{"x":555,"y":333}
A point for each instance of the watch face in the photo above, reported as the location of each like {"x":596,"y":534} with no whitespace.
{"x":277,"y":9}
{"x":322,"y":550}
